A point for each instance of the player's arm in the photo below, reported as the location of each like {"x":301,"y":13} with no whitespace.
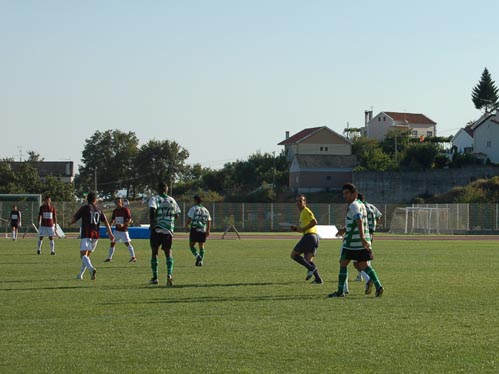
{"x":152,"y":216}
{"x":358,"y":219}
{"x":188,"y":223}
{"x":108,"y":227}
{"x":208,"y":227}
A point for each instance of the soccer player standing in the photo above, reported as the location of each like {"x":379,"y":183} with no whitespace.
{"x":356,"y":242}
{"x":90,"y":216}
{"x":309,"y":242}
{"x":15,"y":221}
{"x":163,"y":211}
{"x":199,"y":224}
{"x":47,"y":221}
{"x":121,"y":218}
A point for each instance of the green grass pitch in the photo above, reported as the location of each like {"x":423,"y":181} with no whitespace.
{"x":249,"y":310}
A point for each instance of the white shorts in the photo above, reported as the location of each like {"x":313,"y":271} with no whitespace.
{"x":121,"y":236}
{"x":46,"y":231}
{"x":87,"y":244}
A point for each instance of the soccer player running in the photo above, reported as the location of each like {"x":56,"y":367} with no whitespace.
{"x":198,"y":225}
{"x":91,"y":216}
{"x":121,"y":218}
{"x":47,"y":221}
{"x":373,"y":218}
{"x":163,"y":211}
{"x":15,"y":221}
{"x":356,"y":242}
{"x":309,"y":242}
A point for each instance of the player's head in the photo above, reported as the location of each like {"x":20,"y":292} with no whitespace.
{"x":197,"y":199}
{"x":119,"y":202}
{"x":349,"y":192}
{"x":91,"y":197}
{"x":162,"y":187}
{"x":301,"y":201}
{"x":14,"y":207}
{"x":47,"y":199}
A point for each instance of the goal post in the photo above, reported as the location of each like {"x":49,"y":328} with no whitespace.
{"x":28,"y":205}
{"x":422,"y":220}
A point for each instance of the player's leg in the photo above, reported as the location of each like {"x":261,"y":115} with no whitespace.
{"x":309,"y":257}
{"x":131,"y":250}
{"x":373,"y":277}
{"x":52,"y":245}
{"x":342,"y":275}
{"x":39,"y":244}
{"x":201,"y":253}
{"x":296,"y":253}
{"x":167,"y":248}
{"x":110,"y":254}
{"x":155,"y":243}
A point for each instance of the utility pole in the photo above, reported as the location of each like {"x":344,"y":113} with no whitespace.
{"x":95,"y":179}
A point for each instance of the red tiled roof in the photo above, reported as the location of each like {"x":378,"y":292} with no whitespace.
{"x":299,"y":136}
{"x":469,"y":130}
{"x":410,"y":118}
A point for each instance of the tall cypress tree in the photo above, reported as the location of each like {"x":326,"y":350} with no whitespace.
{"x":484,"y":94}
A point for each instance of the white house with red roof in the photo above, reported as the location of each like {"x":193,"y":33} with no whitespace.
{"x":419,"y":124}
{"x":321,"y":159}
{"x":486,"y":136}
{"x":463,"y":140}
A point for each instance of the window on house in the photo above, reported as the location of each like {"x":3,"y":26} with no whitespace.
{"x":325,"y":148}
{"x":379,"y":119}
{"x":321,"y":149}
{"x":414,"y":132}
{"x":489,"y":144}
{"x":384,"y":118}
{"x":429,"y":133}
{"x":328,"y":178}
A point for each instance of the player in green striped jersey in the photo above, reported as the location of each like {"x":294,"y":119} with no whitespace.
{"x":163,"y":211}
{"x":356,"y":242}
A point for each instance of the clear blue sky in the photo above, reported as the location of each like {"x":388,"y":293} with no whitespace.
{"x":226,"y":78}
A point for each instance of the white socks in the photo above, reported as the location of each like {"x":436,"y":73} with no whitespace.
{"x":86,"y":261}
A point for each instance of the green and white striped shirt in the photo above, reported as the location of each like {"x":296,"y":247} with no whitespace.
{"x":351,"y":240}
{"x":166,"y":210}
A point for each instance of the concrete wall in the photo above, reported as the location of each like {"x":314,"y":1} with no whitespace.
{"x":401,"y":187}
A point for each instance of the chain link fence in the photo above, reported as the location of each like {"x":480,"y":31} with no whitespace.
{"x":268,"y":217}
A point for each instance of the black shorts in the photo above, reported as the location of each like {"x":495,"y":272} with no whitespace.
{"x":158,"y":239}
{"x":14,"y":224}
{"x":197,"y":236}
{"x":307,"y":244}
{"x":356,"y":254}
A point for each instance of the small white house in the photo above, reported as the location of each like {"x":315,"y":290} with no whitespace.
{"x":486,"y":136}
{"x":463,"y":140}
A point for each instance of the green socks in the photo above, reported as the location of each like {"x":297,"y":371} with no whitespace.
{"x":201,"y":253}
{"x":374,"y":277}
{"x":193,"y":251}
{"x":154,"y":267}
{"x":342,"y":277}
{"x":169,"y":265}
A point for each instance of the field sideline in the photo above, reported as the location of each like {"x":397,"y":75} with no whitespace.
{"x":249,"y":310}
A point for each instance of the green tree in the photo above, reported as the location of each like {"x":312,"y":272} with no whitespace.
{"x":485,"y":94}
{"x":109,"y":159}
{"x":160,"y":161}
{"x":420,"y":156}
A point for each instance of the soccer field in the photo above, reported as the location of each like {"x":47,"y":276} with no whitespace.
{"x":249,"y":310}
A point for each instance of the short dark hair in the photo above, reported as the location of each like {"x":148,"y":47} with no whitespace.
{"x":360,"y":196}
{"x":349,"y":187}
{"x":301,"y":196}
{"x":162,"y":187}
{"x":197,"y":199}
{"x":91,"y":197}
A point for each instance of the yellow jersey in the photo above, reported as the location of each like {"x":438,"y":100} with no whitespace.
{"x":306,"y":216}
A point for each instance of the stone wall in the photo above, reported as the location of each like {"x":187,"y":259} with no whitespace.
{"x":401,"y":187}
